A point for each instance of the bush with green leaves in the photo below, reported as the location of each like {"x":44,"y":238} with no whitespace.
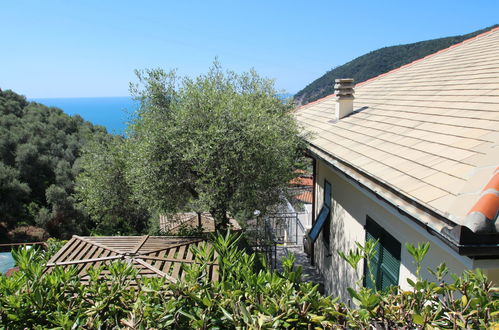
{"x":245,"y":297}
{"x":470,"y":301}
{"x":40,"y":150}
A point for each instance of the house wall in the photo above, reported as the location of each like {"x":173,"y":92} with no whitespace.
{"x":350,"y":207}
{"x":306,"y":216}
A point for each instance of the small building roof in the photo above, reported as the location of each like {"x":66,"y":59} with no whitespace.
{"x":301,"y":181}
{"x":152,"y":256}
{"x":173,"y":223}
{"x":305,"y":197}
{"x":428,"y":132}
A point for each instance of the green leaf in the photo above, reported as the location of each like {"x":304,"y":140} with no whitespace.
{"x":353,"y":293}
{"x":227,"y":314}
{"x":417,"y":319}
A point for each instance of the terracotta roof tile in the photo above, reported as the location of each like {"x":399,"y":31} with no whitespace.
{"x":302,"y":181}
{"x":305,"y":197}
{"x":483,"y":215}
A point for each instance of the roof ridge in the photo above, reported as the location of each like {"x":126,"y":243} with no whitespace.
{"x":427,"y":56}
{"x":316,"y":101}
{"x":406,"y":65}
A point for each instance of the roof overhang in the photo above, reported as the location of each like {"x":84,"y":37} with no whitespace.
{"x":459,"y":238}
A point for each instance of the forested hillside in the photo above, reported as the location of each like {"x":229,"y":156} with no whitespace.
{"x":39,"y":153}
{"x":375,"y":63}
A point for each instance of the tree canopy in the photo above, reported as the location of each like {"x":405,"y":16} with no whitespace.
{"x":222,"y":142}
{"x":39,"y":151}
{"x":103,"y":191}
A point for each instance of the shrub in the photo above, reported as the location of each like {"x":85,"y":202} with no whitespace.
{"x":244,"y":297}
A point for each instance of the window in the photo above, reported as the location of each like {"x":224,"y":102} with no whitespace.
{"x":385,"y":264}
{"x":324,"y":215}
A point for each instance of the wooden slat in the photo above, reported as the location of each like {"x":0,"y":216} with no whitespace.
{"x":61,"y":250}
{"x":73,"y":252}
{"x":167,"y":265}
{"x":214,"y":273}
{"x":160,"y":254}
{"x":89,"y":255}
{"x":98,"y":244}
{"x":142,"y":241}
{"x":215,"y":268}
{"x":177,"y":245}
{"x":74,"y":262}
{"x":176,"y":265}
{"x":83,"y":254}
{"x":188,"y":261}
{"x":96,"y":252}
{"x":157,"y":271}
{"x":104,"y":253}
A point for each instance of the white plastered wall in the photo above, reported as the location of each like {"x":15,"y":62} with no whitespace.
{"x":351,"y":205}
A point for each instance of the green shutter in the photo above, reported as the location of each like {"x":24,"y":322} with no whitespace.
{"x":386,"y":262}
{"x":390,"y":264}
{"x":374,"y":263}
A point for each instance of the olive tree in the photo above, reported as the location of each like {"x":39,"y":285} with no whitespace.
{"x":103,"y":191}
{"x":222,"y":142}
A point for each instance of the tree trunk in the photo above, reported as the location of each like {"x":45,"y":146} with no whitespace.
{"x":200,"y":224}
{"x":221,"y":219}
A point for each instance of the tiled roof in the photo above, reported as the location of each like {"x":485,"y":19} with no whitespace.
{"x":305,"y":197}
{"x":301,"y":181}
{"x":428,"y":130}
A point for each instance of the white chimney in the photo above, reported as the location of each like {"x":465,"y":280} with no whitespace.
{"x":343,"y":90}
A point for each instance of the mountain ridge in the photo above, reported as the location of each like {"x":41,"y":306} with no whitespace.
{"x":377,"y":62}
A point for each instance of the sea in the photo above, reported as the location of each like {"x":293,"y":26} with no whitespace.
{"x":6,"y":262}
{"x":111,"y":112}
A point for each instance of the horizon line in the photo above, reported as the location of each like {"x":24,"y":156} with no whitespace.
{"x":76,"y":97}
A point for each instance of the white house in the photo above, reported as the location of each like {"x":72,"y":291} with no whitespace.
{"x":409,"y":156}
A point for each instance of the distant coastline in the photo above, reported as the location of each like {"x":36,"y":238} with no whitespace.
{"x":110,"y":112}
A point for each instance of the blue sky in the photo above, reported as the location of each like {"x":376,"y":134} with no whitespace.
{"x":90,"y":48}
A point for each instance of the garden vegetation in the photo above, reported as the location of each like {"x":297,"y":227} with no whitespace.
{"x":39,"y":161}
{"x":245,"y":297}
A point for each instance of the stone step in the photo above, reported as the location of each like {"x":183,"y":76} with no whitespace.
{"x":309,"y":272}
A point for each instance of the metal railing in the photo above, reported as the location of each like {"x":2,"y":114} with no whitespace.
{"x":262,"y":240}
{"x":286,"y":227}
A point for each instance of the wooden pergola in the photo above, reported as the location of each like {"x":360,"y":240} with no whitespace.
{"x":152,"y":256}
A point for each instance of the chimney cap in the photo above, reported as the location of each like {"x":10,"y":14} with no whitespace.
{"x":344,"y":88}
{"x":344,"y":80}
